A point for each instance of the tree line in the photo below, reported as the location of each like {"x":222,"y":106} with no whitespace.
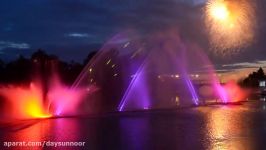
{"x":40,"y":65}
{"x":23,"y":70}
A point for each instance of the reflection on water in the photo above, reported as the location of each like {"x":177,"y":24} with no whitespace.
{"x":226,"y":129}
{"x":69,"y":129}
{"x":41,"y":130}
{"x":211,"y":127}
{"x":134,"y":132}
{"x":28,"y":130}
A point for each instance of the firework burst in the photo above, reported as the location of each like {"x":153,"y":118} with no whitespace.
{"x":230,"y":24}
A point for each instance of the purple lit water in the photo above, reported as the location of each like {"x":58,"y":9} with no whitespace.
{"x":159,"y":71}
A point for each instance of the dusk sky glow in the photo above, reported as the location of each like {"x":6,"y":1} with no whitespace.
{"x":73,"y":28}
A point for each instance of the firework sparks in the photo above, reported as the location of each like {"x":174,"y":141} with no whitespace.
{"x":230,"y":24}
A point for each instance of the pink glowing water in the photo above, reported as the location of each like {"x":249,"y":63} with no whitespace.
{"x":64,"y":100}
{"x":234,"y":92}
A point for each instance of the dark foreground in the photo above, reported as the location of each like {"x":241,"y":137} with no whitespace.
{"x":234,"y":127}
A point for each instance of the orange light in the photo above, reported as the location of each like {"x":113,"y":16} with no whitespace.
{"x":33,"y":103}
{"x":219,"y":11}
{"x":27,"y":102}
{"x":34,"y":109}
{"x":230,"y":24}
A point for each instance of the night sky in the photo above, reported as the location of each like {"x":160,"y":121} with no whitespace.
{"x":73,"y":28}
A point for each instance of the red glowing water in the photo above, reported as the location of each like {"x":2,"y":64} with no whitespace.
{"x":234,"y":92}
{"x":27,"y":102}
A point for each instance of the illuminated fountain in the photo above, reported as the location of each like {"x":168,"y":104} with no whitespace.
{"x":129,"y":73}
{"x":160,"y":71}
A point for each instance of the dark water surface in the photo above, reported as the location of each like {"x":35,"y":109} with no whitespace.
{"x":234,"y":127}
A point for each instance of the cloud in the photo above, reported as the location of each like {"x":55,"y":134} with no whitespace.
{"x":78,"y":35}
{"x":7,"y":44}
{"x":246,"y":64}
{"x":233,"y":67}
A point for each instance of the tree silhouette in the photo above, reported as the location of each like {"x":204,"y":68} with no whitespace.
{"x":253,"y":79}
{"x":41,"y":65}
